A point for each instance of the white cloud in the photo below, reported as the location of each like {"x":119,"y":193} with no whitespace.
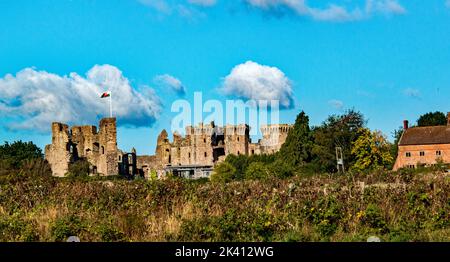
{"x":34,"y":99}
{"x":333,"y":12}
{"x":203,"y":2}
{"x":412,"y":92}
{"x":337,"y":104}
{"x":384,"y":7}
{"x":159,"y":5}
{"x":168,"y":81}
{"x":186,"y":10}
{"x":251,"y":80}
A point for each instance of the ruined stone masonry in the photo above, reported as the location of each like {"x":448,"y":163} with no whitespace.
{"x":84,"y":142}
{"x":207,"y":145}
{"x":202,"y":146}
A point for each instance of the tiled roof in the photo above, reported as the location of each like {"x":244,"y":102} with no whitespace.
{"x":426,"y":135}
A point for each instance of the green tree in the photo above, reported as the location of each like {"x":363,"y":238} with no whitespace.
{"x":336,"y":131}
{"x":16,"y":153}
{"x":257,"y":170}
{"x":239,"y":163}
{"x":296,"y":151}
{"x":432,"y":119}
{"x":224,"y":173}
{"x":397,"y":134}
{"x":371,"y":150}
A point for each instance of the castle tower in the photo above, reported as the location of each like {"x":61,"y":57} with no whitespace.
{"x":237,"y":139}
{"x":274,"y":137}
{"x":58,"y":154}
{"x":163,"y":149}
{"x":107,"y":137}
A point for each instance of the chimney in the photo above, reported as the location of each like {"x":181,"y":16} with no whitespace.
{"x":448,"y":118}
{"x":405,"y":124}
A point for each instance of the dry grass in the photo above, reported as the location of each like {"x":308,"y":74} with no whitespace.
{"x":395,"y":206}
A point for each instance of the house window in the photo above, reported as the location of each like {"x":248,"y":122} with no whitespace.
{"x":438,"y":153}
{"x":422,"y":153}
{"x":408,"y":154}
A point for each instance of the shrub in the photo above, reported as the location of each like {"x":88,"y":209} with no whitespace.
{"x":257,"y":170}
{"x":109,"y":233}
{"x":79,"y":169}
{"x":239,"y":163}
{"x":65,"y":227}
{"x":281,"y":169}
{"x":14,"y":228}
{"x":373,"y":218}
{"x":223,"y":173}
{"x":325,"y":214}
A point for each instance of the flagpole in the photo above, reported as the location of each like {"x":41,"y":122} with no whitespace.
{"x":110,"y":104}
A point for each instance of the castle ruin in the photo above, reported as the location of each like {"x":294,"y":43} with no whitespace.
{"x":203,"y":146}
{"x":84,"y":142}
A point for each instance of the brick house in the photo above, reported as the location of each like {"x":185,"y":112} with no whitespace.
{"x":423,"y":145}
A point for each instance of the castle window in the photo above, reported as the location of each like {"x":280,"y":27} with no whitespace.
{"x":408,"y":154}
{"x":438,"y":153}
{"x":253,"y":152}
{"x":411,"y":166}
{"x":422,"y":153}
{"x":189,"y":155}
{"x":206,"y":154}
{"x":204,"y":140}
{"x":239,"y":153}
{"x":238,"y":139}
{"x":94,"y":170}
{"x":103,"y":150}
{"x":120,"y":158}
{"x":95,"y":147}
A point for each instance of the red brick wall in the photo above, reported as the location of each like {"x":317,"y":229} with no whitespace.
{"x":429,"y":158}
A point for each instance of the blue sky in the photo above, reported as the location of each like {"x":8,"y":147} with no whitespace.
{"x":390,"y":60}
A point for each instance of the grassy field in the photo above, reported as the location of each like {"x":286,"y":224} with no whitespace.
{"x":403,"y":206}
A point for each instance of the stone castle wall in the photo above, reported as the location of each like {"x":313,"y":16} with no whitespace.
{"x":84,"y":142}
{"x":197,"y":147}
{"x":203,"y":145}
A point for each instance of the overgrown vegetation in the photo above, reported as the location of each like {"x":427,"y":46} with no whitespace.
{"x":13,"y":155}
{"x":397,"y":206}
{"x":293,"y":195}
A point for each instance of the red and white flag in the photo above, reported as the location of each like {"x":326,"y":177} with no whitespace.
{"x":106,"y":94}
